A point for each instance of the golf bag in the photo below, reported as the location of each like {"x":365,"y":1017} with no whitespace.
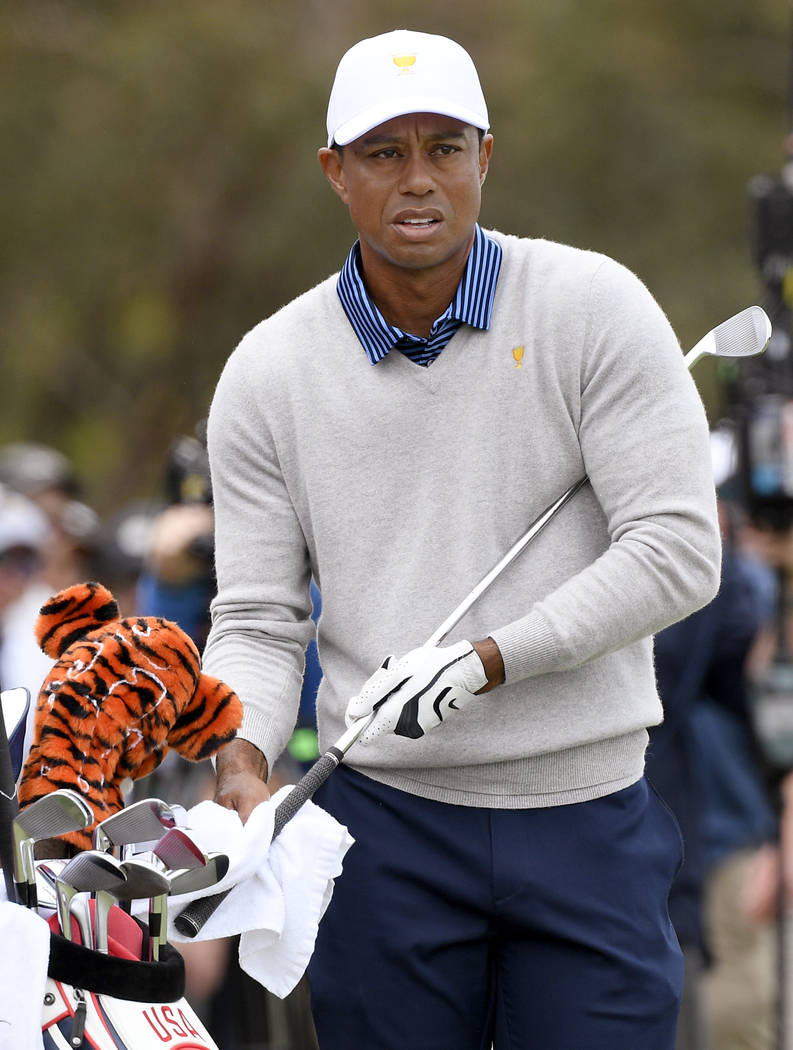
{"x":106,"y":1023}
{"x":148,"y":1008}
{"x":92,"y":1000}
{"x":120,"y":1000}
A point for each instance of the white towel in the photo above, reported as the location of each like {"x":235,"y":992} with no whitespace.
{"x":280,"y":889}
{"x":23,"y":976}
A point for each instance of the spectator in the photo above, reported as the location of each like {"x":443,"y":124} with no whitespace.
{"x":704,"y":762}
{"x":47,"y":478}
{"x":24,"y":534}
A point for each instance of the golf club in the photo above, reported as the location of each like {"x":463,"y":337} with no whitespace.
{"x":176,"y":850}
{"x":88,"y":872}
{"x":51,"y":815}
{"x":745,"y":334}
{"x":144,"y":881}
{"x":51,"y":876}
{"x":191,"y":880}
{"x":143,"y":821}
{"x":48,"y":876}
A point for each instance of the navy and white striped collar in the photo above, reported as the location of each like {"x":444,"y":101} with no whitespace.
{"x":472,"y":303}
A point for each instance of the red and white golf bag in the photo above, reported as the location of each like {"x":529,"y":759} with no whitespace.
{"x":118,"y":1001}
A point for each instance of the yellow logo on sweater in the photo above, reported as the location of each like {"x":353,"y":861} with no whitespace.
{"x":404,"y":62}
{"x":517,"y":353}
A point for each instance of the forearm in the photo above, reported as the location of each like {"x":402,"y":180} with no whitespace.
{"x":492,"y":661}
{"x":241,"y":756}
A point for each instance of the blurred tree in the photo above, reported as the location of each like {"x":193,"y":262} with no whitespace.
{"x":161,"y":194}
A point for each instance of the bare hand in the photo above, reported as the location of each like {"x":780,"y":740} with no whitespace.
{"x":170,"y":556}
{"x":772,"y":865}
{"x":760,"y":897}
{"x":241,"y":778}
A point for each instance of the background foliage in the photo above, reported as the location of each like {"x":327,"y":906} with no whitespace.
{"x":160,"y":191}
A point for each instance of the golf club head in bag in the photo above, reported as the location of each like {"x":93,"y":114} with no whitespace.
{"x":51,"y":815}
{"x":143,"y":821}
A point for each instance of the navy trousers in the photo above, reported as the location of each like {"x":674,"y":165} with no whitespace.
{"x":456,"y":928}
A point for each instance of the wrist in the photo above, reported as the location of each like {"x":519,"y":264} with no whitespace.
{"x":241,"y":756}
{"x":492,"y":661}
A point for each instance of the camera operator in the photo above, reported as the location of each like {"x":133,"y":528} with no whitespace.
{"x":177,"y":579}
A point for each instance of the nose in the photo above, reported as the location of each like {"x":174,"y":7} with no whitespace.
{"x":416,"y":176}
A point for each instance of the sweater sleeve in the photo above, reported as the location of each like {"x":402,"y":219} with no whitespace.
{"x":644,"y":438}
{"x":261,"y":616}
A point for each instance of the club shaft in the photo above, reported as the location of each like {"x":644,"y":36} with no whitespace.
{"x":531,"y":533}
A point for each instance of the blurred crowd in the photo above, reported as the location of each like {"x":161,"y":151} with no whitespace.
{"x":722,"y":760}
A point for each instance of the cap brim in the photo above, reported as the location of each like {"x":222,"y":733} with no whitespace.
{"x":372,"y":118}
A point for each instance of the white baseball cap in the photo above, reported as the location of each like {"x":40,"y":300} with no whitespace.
{"x":403,"y":72}
{"x":22,"y":523}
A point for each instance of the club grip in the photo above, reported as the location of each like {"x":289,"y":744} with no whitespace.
{"x":305,"y":788}
{"x":192,"y":918}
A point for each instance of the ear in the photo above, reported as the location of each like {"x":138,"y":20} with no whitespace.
{"x":72,"y":613}
{"x":485,"y":152}
{"x":209,"y":721}
{"x":330,"y":161}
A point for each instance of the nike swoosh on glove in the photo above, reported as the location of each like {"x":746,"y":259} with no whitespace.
{"x":417,"y":692}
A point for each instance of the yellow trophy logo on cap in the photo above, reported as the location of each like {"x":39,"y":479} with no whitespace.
{"x":404,"y":62}
{"x":517,"y":353}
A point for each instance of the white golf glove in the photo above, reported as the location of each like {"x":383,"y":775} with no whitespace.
{"x":417,"y":692}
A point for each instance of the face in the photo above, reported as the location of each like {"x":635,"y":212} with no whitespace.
{"x":413,"y":186}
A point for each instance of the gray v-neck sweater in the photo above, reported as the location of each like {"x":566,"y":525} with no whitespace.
{"x":398,"y":487}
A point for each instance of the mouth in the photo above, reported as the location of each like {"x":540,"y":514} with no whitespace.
{"x":417,"y":227}
{"x":418,"y":224}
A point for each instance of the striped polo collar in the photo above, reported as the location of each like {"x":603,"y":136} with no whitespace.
{"x":472,"y":303}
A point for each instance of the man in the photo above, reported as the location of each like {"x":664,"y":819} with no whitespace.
{"x":25,"y":534}
{"x":391,"y":433}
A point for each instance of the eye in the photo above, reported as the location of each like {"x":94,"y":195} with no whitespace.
{"x":445,"y":149}
{"x":387,"y":153}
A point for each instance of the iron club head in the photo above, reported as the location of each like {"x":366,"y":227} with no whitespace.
{"x":89,"y":872}
{"x":143,"y":880}
{"x":743,"y":335}
{"x":191,"y":880}
{"x":177,"y":850}
{"x":54,"y":814}
{"x":143,"y":821}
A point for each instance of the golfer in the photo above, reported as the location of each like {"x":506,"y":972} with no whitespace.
{"x":391,"y":433}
